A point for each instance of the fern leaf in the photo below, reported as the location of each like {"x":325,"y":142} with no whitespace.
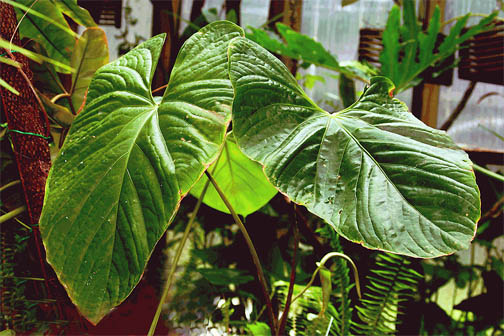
{"x":390,"y":284}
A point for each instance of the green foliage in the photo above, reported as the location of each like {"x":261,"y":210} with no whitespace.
{"x":302,"y":47}
{"x":127,"y":161}
{"x":375,"y":173}
{"x":390,"y":283}
{"x":47,"y":29}
{"x":341,"y":284}
{"x":258,"y":329}
{"x":310,"y":314}
{"x":408,"y":51}
{"x":241,"y":179}
{"x":89,"y":54}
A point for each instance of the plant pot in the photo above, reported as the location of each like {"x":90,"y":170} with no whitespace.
{"x":482,"y":57}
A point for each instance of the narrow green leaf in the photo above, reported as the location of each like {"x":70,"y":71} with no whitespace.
{"x":241,"y":179}
{"x":6,"y":60}
{"x":33,"y":56}
{"x":120,"y":175}
{"x":17,"y":4}
{"x":389,"y":57}
{"x":409,"y":36}
{"x":8,"y":87}
{"x":375,"y":173}
{"x":75,"y":12}
{"x":428,"y":42}
{"x":47,"y":30}
{"x":90,"y":53}
{"x":450,"y":42}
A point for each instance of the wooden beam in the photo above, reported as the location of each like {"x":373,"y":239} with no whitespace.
{"x":292,"y":18}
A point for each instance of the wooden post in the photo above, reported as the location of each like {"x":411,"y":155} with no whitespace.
{"x":165,"y":19}
{"x":292,"y":18}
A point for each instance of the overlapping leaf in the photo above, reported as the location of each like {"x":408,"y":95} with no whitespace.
{"x":89,"y":54}
{"x":127,"y":161}
{"x":375,"y":173}
{"x":241,"y":180}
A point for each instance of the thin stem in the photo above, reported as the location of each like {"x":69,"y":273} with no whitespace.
{"x":12,"y":214}
{"x":283,"y":319}
{"x":159,"y":88}
{"x":460,"y":17}
{"x":173,"y":267}
{"x":253,"y":252}
{"x":10,"y":184}
{"x":488,"y":172}
{"x":460,"y":106}
{"x":321,"y":264}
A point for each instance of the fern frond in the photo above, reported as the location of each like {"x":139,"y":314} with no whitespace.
{"x":390,"y":283}
{"x":304,"y":317}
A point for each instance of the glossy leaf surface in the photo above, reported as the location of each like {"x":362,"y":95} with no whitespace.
{"x":241,"y":179}
{"x":90,"y":53}
{"x":117,"y":182}
{"x":375,"y":173}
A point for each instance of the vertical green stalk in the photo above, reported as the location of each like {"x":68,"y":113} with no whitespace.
{"x":253,"y":252}
{"x":173,"y":267}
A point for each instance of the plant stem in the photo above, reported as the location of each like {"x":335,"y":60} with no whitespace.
{"x":321,"y":264}
{"x":488,"y":172}
{"x":10,"y":184}
{"x":161,"y":87}
{"x":173,"y":267}
{"x":253,"y":252}
{"x":12,"y":214}
{"x":283,"y":319}
{"x":460,"y":106}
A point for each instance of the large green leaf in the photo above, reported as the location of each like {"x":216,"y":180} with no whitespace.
{"x":117,"y":183}
{"x":241,"y":179}
{"x":90,"y":53}
{"x":379,"y":176}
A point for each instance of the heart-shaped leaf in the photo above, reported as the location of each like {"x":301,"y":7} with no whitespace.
{"x":90,"y":53}
{"x":117,"y":183}
{"x":379,"y":176}
{"x":241,"y":179}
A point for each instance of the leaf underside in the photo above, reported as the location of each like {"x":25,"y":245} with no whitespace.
{"x":375,"y":173}
{"x":127,"y":162}
{"x":241,"y":179}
